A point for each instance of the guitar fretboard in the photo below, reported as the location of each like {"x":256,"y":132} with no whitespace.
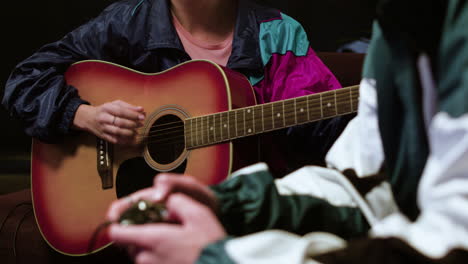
{"x":224,"y":126}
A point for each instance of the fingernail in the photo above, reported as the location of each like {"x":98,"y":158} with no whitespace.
{"x":141,"y":117}
{"x":158,"y":195}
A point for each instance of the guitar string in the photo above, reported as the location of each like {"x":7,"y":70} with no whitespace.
{"x":339,"y":94}
{"x":290,"y":119}
{"x":290,"y":113}
{"x":290,"y":101}
{"x":168,"y":138}
{"x":341,"y":110}
{"x":339,"y":97}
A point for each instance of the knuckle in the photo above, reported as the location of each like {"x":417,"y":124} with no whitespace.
{"x":190,"y":180}
{"x":143,"y":258}
{"x":108,"y":129}
{"x":124,"y":132}
{"x":131,"y":124}
{"x":106,"y":106}
{"x":163,"y":179}
{"x":110,"y":139}
{"x":100,"y":117}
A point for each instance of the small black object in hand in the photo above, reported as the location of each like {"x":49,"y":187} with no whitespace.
{"x":143,"y":212}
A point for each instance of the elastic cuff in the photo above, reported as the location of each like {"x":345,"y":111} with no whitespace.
{"x":66,"y":124}
{"x":241,"y":196}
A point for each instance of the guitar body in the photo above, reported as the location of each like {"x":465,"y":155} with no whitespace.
{"x":74,"y":182}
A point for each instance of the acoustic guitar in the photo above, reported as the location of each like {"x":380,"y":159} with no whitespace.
{"x":199,"y":117}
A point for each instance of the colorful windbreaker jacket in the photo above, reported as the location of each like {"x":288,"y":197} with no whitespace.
{"x":396,"y":186}
{"x":269,"y":47}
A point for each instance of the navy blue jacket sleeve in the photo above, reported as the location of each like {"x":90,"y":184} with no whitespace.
{"x":36,"y":92}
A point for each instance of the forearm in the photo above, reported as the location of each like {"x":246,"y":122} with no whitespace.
{"x":44,"y":104}
{"x":253,"y":201}
{"x":37,"y":92}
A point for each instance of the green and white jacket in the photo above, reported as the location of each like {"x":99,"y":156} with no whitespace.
{"x":396,"y":185}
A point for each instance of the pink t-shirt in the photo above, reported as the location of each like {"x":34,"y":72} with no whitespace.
{"x":196,"y":49}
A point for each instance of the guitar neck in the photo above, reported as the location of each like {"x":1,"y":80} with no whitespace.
{"x":225,"y":126}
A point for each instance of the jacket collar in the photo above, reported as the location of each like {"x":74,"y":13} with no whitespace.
{"x":162,"y":33}
{"x":245,"y":47}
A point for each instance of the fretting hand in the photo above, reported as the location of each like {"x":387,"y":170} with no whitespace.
{"x":115,"y":122}
{"x":196,"y":227}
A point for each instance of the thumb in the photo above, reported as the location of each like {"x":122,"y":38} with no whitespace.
{"x":186,"y":210}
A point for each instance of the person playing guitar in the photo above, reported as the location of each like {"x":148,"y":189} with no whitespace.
{"x":268,"y":47}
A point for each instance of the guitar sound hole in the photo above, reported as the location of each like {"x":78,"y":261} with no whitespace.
{"x":166,"y":140}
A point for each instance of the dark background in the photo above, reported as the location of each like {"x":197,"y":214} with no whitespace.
{"x":27,"y":25}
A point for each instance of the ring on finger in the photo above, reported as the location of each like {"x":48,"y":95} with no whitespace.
{"x":113,"y":121}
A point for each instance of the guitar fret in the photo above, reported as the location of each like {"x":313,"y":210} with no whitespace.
{"x":284,"y":118}
{"x":345,"y":105}
{"x":237,"y":130}
{"x":302,"y":113}
{"x":196,"y":132}
{"x":355,"y":98}
{"x":228,"y":135}
{"x":240,"y":123}
{"x":336,"y":105}
{"x":201,"y":130}
{"x":253,"y":119}
{"x":232,"y":124}
{"x":211,"y":138}
{"x":249,"y":121}
{"x":220,"y":127}
{"x":191,"y":133}
{"x":295,"y":111}
{"x":205,"y":130}
{"x":243,"y":113}
{"x":187,"y":133}
{"x":224,"y":121}
{"x":263,"y":118}
{"x":315,"y":107}
{"x":216,"y":129}
{"x":268,"y":114}
{"x":321,"y":107}
{"x":327,"y":105}
{"x":258,"y":118}
{"x":278,"y":120}
{"x":290,"y":116}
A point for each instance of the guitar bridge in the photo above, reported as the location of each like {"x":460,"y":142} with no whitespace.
{"x":104,"y":163}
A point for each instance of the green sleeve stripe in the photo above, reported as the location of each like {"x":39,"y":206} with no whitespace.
{"x":251,"y":203}
{"x":279,"y":37}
